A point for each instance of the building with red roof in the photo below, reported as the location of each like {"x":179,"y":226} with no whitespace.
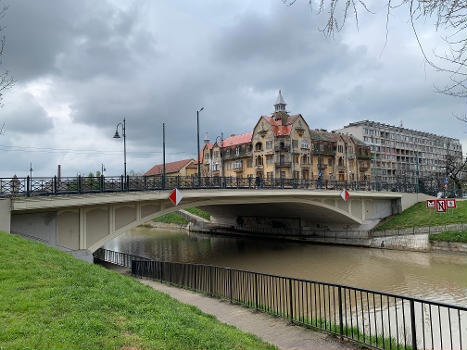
{"x":179,"y":168}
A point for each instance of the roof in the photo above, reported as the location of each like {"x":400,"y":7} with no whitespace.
{"x":277,"y":126}
{"x":171,"y":167}
{"x":201,"y":153}
{"x":236,"y":139}
{"x":334,"y":137}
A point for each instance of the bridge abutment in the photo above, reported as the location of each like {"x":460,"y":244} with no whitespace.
{"x":5,"y":215}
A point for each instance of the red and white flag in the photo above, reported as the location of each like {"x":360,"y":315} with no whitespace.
{"x":176,"y":196}
{"x":345,"y":194}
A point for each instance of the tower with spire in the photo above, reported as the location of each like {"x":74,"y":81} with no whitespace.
{"x":280,"y":104}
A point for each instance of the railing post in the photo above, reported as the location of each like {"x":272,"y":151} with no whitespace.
{"x":121,"y":183}
{"x":256,"y":291}
{"x":128,"y":182}
{"x":210,"y":280}
{"x":341,"y":322}
{"x":230,"y":284}
{"x":79,"y":183}
{"x":412,"y":325}
{"x":28,"y":186}
{"x":101,"y":185}
{"x":291,"y":300}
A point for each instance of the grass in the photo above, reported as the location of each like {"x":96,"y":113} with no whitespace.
{"x":172,"y":218}
{"x":450,"y":236}
{"x":417,"y":216}
{"x":199,"y":212}
{"x":49,"y":300}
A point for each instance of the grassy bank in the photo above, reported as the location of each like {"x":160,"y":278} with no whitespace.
{"x":199,"y":212}
{"x":172,"y":218}
{"x":49,"y":300}
{"x":417,"y":216}
{"x":450,"y":236}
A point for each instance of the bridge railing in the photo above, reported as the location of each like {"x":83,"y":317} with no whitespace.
{"x":40,"y":186}
{"x":377,"y":319}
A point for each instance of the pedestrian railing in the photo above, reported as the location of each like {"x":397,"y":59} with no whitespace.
{"x":376,"y":319}
{"x":40,"y":186}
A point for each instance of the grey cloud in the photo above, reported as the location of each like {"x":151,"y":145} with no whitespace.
{"x":24,"y":115}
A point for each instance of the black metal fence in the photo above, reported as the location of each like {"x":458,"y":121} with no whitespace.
{"x":380,"y":320}
{"x":40,"y":186}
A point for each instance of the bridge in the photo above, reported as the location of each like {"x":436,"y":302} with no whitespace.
{"x":80,"y":215}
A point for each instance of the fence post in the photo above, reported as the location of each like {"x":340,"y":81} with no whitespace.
{"x":55,"y":184}
{"x":230,"y":282}
{"x":341,"y":322}
{"x":210,"y":280}
{"x":291,"y":300}
{"x":256,"y":291}
{"x":412,"y":325}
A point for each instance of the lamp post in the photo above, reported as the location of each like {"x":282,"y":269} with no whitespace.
{"x":163,"y":156}
{"x":197,"y":130}
{"x":117,"y":136}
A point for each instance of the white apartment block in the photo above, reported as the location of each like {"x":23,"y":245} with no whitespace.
{"x":397,"y":152}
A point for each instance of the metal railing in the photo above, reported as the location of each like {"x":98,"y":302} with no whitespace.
{"x":376,"y":319}
{"x":40,"y":186}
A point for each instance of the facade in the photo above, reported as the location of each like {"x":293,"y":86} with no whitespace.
{"x":399,"y":153}
{"x":185,"y":167}
{"x":284,"y":146}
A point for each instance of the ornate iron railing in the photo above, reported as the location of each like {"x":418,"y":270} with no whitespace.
{"x":40,"y":186}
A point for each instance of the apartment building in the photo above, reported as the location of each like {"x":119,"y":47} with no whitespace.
{"x":283,"y":146}
{"x":399,"y":153}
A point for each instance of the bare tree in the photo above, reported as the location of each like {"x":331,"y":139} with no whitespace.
{"x":6,"y":80}
{"x":450,"y":19}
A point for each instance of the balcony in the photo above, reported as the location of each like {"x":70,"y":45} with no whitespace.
{"x":283,"y":165}
{"x":284,"y":149}
{"x":238,"y":169}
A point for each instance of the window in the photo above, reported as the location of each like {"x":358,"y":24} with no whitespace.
{"x":305,"y":144}
{"x":258,"y":146}
{"x":206,"y":155}
{"x":216,"y":154}
{"x":227,"y":152}
{"x":330,"y":161}
{"x":269,"y":159}
{"x":268,"y":144}
{"x":249,"y":163}
{"x":215,"y":166}
{"x":229,"y":165}
{"x":237,"y":151}
{"x":238,"y":164}
{"x":294,"y":143}
{"x":340,"y":149}
{"x":259,"y":160}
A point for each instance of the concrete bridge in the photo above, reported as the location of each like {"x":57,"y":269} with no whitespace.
{"x":84,"y":222}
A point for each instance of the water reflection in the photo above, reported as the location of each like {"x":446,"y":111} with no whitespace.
{"x":440,"y":277}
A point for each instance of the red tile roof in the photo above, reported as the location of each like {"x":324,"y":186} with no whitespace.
{"x":236,"y":139}
{"x":277,"y":126}
{"x":172,"y":167}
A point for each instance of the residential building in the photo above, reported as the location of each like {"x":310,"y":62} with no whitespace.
{"x":284,"y":146}
{"x":399,"y":153}
{"x":185,"y":167}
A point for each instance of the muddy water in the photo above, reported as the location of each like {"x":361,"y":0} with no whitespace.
{"x":433,"y":276}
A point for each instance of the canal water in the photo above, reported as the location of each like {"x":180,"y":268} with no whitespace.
{"x":433,"y":276}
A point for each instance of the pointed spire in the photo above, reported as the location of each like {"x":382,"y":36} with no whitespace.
{"x":206,"y":139}
{"x":280,"y":104}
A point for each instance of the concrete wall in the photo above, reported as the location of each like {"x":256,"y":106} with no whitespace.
{"x":38,"y":226}
{"x":5,"y":216}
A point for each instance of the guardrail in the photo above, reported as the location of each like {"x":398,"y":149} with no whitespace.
{"x":43,"y":186}
{"x":377,"y":319}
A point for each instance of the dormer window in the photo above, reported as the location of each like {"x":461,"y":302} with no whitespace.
{"x":237,"y":151}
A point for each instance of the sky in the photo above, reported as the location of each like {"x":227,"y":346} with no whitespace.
{"x":82,"y":66}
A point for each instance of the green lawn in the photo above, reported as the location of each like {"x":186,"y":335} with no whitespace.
{"x":172,"y":218}
{"x":417,"y":216}
{"x":450,"y":236}
{"x":199,"y":212}
{"x":50,"y":300}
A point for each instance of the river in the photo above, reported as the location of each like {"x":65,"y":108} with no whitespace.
{"x":434,"y":276}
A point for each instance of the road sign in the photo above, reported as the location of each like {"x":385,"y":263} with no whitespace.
{"x":319,"y":174}
{"x":446,"y":180}
{"x":450,"y":203}
{"x":345,"y":194}
{"x":431,"y":204}
{"x":441,"y":205}
{"x":176,"y":196}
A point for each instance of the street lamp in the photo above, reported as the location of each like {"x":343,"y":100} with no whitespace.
{"x":221,"y":137}
{"x":197,"y":129}
{"x":117,"y":136}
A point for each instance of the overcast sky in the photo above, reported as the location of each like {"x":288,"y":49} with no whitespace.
{"x":81,"y":66}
